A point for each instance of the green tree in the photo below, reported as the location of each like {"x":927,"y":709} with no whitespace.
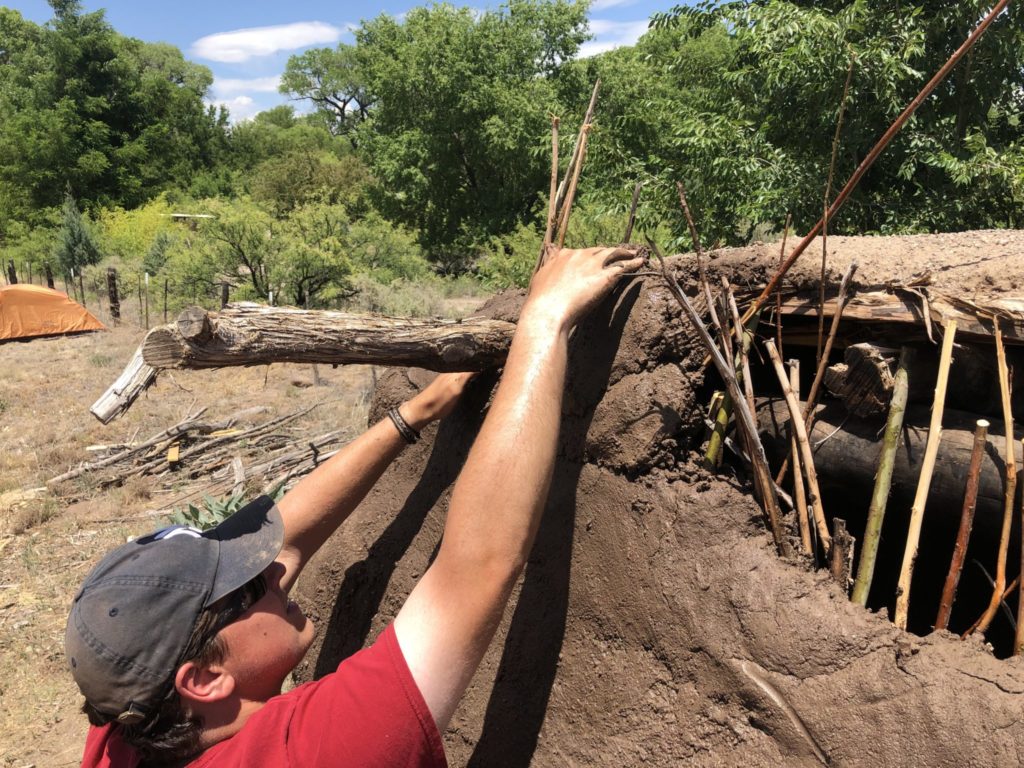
{"x":242,"y":239}
{"x":75,"y":247}
{"x":459,"y":115}
{"x":333,"y":80}
{"x":312,"y":258}
{"x":741,"y":99}
{"x":297,"y":177}
{"x":113,"y":118}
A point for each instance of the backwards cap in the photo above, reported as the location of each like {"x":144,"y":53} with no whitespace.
{"x":137,"y":609}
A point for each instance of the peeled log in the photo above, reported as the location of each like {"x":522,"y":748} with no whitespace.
{"x":252,"y":334}
{"x":849,"y":457}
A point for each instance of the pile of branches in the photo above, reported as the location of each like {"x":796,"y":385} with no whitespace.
{"x":199,"y":448}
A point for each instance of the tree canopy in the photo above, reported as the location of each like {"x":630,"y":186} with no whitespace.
{"x":453,"y":111}
{"x":741,"y":101}
{"x":428,"y":137}
{"x":111,"y":118}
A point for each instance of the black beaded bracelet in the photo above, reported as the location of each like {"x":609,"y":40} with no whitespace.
{"x":410,"y":435}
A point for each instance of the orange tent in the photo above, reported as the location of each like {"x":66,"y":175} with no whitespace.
{"x":31,"y":310}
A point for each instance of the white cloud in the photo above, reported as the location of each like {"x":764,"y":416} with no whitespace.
{"x":243,"y":44}
{"x":226,"y":86}
{"x":600,"y":5}
{"x":612,"y":34}
{"x":239,"y":108}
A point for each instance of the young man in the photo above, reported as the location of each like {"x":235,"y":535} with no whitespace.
{"x":181,"y":641}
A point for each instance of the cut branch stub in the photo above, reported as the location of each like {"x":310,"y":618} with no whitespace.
{"x":252,"y":334}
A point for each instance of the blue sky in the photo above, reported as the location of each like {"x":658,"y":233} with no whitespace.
{"x":246,"y":45}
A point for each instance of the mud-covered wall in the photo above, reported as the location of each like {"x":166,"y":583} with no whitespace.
{"x":653,"y":602}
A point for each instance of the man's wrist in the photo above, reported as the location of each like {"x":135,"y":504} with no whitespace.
{"x":542,"y":317}
{"x":414,"y":414}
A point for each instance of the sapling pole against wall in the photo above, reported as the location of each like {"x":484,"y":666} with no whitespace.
{"x":963,"y":535}
{"x":796,"y":419}
{"x":924,"y":481}
{"x":799,"y":493}
{"x":1005,"y":384}
{"x":883,"y":478}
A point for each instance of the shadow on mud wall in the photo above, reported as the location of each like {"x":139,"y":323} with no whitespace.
{"x":529,"y":662}
{"x":365,"y":583}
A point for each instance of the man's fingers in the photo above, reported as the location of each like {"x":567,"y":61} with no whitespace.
{"x":632,"y":265}
{"x":617,"y":256}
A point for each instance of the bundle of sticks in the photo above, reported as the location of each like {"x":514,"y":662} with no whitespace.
{"x":268,"y":453}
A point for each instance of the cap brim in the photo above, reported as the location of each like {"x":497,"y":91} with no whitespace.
{"x":250,"y":540}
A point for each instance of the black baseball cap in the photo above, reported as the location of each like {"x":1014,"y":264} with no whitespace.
{"x":134,"y":614}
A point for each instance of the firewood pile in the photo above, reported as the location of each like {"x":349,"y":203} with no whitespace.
{"x":270,"y":453}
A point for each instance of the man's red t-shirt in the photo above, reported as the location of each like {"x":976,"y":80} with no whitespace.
{"x":368,"y":712}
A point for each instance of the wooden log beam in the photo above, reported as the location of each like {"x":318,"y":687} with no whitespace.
{"x":847,"y":448}
{"x":881,"y":308}
{"x":252,"y":334}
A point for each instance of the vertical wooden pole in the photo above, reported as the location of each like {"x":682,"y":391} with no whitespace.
{"x":797,"y":421}
{"x":49,"y":275}
{"x":165,"y":301}
{"x":966,"y":522}
{"x":799,"y":493}
{"x":841,"y":564}
{"x":81,"y":287}
{"x":115,"y":299}
{"x":138,"y":284}
{"x":1010,"y":488}
{"x":924,"y":482}
{"x":1018,"y":639}
{"x":883,"y":479}
{"x":147,"y":300}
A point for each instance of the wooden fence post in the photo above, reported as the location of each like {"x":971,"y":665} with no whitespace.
{"x":115,"y":300}
{"x":165,"y":301}
{"x":81,"y":287}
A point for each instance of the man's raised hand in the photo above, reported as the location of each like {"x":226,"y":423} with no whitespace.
{"x":572,"y":282}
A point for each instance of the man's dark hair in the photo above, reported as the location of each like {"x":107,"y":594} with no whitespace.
{"x":170,"y":735}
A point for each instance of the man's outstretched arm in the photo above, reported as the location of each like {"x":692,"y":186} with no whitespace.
{"x":448,"y":621}
{"x":321,"y":501}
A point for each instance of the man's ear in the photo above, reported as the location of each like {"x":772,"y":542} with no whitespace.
{"x":197,"y":684}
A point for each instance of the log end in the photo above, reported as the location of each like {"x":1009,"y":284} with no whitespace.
{"x":194,"y":325}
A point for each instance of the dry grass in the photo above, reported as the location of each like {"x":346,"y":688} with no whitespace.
{"x":49,"y":540}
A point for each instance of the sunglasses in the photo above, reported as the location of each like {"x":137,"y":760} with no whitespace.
{"x":233,"y":605}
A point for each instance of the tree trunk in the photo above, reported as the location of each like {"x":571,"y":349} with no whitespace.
{"x":252,"y":334}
